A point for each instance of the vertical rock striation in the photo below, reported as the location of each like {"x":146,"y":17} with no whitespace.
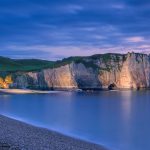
{"x":130,"y":70}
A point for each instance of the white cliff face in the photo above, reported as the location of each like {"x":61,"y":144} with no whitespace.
{"x":110,"y":69}
{"x":125,"y":77}
{"x":85,"y":77}
{"x":134,"y":72}
{"x":138,"y":70}
{"x":125,"y":71}
{"x":70,"y":76}
{"x":61,"y":77}
{"x":21,"y":81}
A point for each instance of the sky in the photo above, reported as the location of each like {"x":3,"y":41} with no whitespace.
{"x":54,"y":29}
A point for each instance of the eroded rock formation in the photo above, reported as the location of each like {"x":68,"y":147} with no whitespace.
{"x":99,"y":71}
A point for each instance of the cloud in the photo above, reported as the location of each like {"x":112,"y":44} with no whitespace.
{"x":119,"y":6}
{"x":74,"y":9}
{"x":58,"y":52}
{"x":44,"y":27}
{"x":135,"y":39}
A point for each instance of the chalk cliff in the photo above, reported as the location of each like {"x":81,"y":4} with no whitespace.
{"x":130,"y":70}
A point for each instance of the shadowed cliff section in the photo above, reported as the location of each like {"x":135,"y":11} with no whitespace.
{"x":101,"y":71}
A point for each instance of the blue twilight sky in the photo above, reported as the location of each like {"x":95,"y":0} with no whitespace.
{"x":53,"y":29}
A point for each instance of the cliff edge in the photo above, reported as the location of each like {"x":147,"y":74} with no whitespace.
{"x":131,"y":71}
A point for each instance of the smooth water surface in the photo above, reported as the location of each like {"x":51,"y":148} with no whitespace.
{"x":119,"y":120}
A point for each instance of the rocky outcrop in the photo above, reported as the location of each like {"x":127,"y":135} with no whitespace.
{"x":61,"y":77}
{"x":131,"y":71}
{"x":85,"y":77}
{"x":71,"y":76}
{"x":99,"y":71}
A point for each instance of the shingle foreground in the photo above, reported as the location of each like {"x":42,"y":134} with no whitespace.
{"x":15,"y":135}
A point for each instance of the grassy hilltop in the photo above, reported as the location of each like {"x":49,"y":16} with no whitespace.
{"x":12,"y":65}
{"x":26,"y":65}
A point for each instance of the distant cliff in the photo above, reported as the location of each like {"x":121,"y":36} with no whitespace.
{"x":130,"y":71}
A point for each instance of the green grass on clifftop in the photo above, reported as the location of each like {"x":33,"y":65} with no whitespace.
{"x":26,"y":65}
{"x":12,"y":65}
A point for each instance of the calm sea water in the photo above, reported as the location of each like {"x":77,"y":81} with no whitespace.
{"x":119,"y":120}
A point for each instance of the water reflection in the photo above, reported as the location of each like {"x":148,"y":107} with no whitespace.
{"x":119,"y":120}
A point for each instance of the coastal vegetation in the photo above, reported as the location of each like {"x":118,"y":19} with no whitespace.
{"x":27,"y":65}
{"x":13,"y":65}
{"x":97,"y":71}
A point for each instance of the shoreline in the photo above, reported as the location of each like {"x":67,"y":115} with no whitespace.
{"x":25,"y":91}
{"x":17,"y":135}
{"x":29,"y":91}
